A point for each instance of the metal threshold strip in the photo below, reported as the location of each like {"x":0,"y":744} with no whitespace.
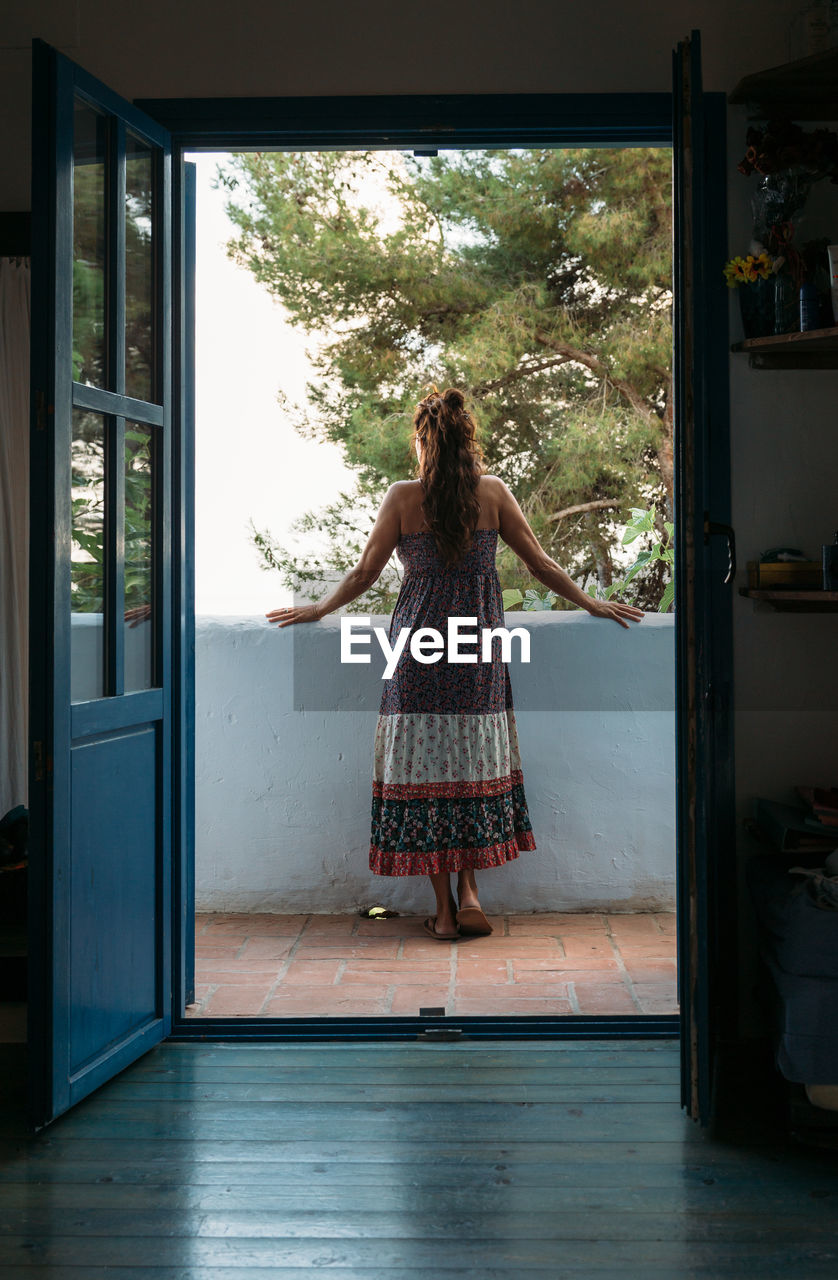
{"x":664,"y":1026}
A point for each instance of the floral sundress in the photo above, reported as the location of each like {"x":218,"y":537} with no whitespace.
{"x":447,"y":785}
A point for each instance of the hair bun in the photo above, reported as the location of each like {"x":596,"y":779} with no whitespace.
{"x":454,"y":398}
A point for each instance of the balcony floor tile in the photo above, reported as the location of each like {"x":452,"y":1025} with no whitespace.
{"x":333,"y":966}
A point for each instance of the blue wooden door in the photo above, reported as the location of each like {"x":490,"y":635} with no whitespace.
{"x":101,"y":598}
{"x":704,"y":569}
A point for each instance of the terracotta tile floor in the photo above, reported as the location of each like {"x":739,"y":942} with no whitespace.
{"x":331,"y":965}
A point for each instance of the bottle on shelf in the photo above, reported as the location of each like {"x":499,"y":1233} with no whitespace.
{"x":830,"y":564}
{"x":810,"y":306}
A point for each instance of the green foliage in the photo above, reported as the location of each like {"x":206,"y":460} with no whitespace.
{"x":87,"y":573}
{"x":343,"y":530}
{"x":88,"y":505}
{"x":538,"y":281}
{"x":89,"y":276}
{"x":660,"y":552}
{"x":87,"y":320}
{"x":531,"y":600}
{"x":138,"y":515}
{"x":88,"y":559}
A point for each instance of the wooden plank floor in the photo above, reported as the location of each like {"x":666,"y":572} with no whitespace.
{"x":234,"y":1161}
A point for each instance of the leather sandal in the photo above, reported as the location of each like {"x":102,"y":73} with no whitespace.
{"x":473,"y":922}
{"x":429,"y":926}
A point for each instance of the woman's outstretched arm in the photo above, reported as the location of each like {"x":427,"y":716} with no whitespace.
{"x":380,"y":546}
{"x":517,"y":534}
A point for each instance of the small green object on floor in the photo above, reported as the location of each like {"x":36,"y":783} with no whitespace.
{"x":377,"y":913}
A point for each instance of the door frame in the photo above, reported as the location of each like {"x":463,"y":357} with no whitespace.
{"x":426,"y":123}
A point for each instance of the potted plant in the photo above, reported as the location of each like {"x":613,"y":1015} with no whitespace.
{"x":753,"y":277}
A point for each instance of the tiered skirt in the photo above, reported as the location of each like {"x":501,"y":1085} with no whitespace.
{"x":447,"y":793}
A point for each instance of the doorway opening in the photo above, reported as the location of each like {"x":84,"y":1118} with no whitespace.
{"x":538,"y":279}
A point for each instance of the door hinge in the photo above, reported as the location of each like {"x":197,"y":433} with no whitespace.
{"x":38,"y":757}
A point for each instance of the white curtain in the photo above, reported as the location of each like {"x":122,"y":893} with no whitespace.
{"x":14,"y":528}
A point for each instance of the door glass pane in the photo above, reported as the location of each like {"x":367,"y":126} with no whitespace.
{"x":89,"y":209}
{"x":139,"y":556}
{"x":87,"y":557}
{"x":139,"y":268}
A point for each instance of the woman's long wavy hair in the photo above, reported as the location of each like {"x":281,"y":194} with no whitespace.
{"x":449,"y":469}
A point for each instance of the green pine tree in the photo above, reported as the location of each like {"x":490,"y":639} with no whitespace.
{"x":539,"y":281}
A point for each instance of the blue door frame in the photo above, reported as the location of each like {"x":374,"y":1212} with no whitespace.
{"x":704,"y":568}
{"x":183,"y":578}
{"x":704,"y":801}
{"x":457,"y":122}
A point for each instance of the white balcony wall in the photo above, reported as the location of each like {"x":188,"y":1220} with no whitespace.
{"x":284,"y":768}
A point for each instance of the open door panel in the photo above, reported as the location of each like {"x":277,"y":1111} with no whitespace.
{"x":704,"y":570}
{"x":100,"y":555}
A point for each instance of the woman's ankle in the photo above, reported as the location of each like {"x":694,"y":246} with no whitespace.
{"x":467,"y":892}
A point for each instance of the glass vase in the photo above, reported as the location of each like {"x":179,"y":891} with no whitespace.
{"x":757,"y":307}
{"x":786,"y":304}
{"x":779,"y":198}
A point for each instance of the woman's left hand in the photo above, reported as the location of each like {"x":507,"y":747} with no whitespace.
{"x":622,"y":613}
{"x":290,"y":614}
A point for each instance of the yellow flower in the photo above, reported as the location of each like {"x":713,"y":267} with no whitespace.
{"x":746,"y":270}
{"x":736,"y":272}
{"x":762,"y":265}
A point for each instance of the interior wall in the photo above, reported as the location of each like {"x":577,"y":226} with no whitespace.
{"x":212,"y":49}
{"x":784,"y":463}
{"x":782,"y":424}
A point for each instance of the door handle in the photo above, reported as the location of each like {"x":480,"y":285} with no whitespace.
{"x":714,"y":526}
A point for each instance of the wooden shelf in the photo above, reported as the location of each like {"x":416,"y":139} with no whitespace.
{"x":817,"y":339}
{"x":808,"y":349}
{"x":806,"y":89}
{"x":788,"y":599}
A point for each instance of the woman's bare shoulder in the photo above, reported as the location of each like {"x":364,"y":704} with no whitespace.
{"x":415,"y":486}
{"x":408,"y":493}
{"x":494,"y":486}
{"x":411,"y":491}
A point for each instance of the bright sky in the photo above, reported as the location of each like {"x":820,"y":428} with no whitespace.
{"x":249,"y":462}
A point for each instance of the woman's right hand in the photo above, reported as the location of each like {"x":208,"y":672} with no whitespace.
{"x":614,"y":609}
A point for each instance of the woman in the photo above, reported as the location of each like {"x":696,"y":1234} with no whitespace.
{"x":448,"y":792}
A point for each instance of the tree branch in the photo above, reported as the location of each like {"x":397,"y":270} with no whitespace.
{"x":598,"y":504}
{"x":516,"y":374}
{"x":596,"y":366}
